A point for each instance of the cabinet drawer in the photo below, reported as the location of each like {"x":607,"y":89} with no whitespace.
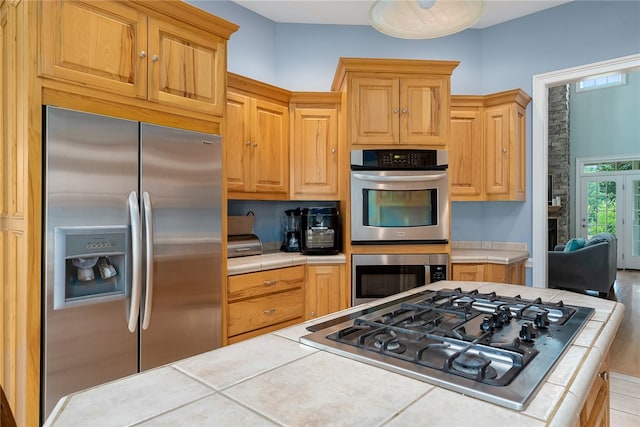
{"x":264,"y":282}
{"x":260,"y":312}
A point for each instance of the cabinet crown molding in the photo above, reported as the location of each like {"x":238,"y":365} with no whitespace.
{"x":392,"y":66}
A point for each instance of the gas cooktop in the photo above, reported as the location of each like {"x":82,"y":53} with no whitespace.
{"x":491,"y":347}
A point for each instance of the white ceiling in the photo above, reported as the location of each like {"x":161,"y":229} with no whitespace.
{"x":356,"y":12}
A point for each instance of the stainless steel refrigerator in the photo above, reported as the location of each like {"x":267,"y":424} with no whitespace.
{"x":132,"y":249}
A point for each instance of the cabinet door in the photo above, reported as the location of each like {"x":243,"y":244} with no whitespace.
{"x":315,"y":154}
{"x":374,"y":117}
{"x":466,"y":156}
{"x":96,"y":44}
{"x":325,"y":290}
{"x":270,"y":147}
{"x":498,"y":152}
{"x":237,"y":142}
{"x":186,"y":67}
{"x":468,"y":272}
{"x":424,"y":112}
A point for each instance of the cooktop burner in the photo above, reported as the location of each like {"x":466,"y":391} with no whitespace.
{"x":470,"y":342}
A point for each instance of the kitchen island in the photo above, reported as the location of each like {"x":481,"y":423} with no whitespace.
{"x":274,"y":380}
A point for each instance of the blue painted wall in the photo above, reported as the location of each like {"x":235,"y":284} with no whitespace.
{"x":505,"y":56}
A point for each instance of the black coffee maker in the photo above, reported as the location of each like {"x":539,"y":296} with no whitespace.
{"x":320,"y":231}
{"x":291,"y":230}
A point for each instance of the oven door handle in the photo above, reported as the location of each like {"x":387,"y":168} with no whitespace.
{"x":427,"y":274}
{"x":399,"y":178}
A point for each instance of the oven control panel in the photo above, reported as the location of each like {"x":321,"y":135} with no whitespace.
{"x":437,"y":273}
{"x":399,"y":159}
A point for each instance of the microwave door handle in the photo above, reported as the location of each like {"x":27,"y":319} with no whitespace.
{"x":148,"y":227}
{"x":399,"y":178}
{"x":136,"y":262}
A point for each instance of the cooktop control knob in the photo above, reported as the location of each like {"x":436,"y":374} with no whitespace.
{"x":487,"y":324}
{"x":527,"y":333}
{"x":542,"y":320}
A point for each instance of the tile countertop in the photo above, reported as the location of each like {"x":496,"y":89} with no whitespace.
{"x":268,"y":261}
{"x":274,"y":380}
{"x":487,"y":256}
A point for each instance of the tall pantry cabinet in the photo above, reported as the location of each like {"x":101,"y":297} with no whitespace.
{"x":158,"y":62}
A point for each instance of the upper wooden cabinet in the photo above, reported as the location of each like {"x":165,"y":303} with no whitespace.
{"x":256,"y":140}
{"x":487,"y":151}
{"x":316,"y":151}
{"x":169,"y":53}
{"x":393,"y":101}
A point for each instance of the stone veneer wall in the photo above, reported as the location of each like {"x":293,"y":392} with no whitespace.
{"x":558,"y":156}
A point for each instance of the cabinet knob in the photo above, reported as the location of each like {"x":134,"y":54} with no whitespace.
{"x":333,"y":150}
{"x":604,"y":375}
{"x":395,"y":110}
{"x":255,"y":145}
{"x":404,"y":111}
{"x":155,"y":58}
{"x":143,"y":54}
{"x":269,"y":311}
{"x":504,"y":150}
{"x":313,"y":314}
{"x":248,"y":143}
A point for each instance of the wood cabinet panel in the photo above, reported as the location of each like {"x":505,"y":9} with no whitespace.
{"x":374,"y":111}
{"x":270,"y":144}
{"x":487,"y":272}
{"x":325,"y":290}
{"x":256,"y":313}
{"x":468,"y":272}
{"x":424,"y":107}
{"x":316,"y":154}
{"x":466,"y":155}
{"x":257,"y":140}
{"x":487,"y":159}
{"x":393,"y":102}
{"x":237,"y":142}
{"x":95,"y":44}
{"x":255,"y":284}
{"x":258,"y":301}
{"x":187,"y":67}
{"x":169,"y":53}
{"x":596,"y":410}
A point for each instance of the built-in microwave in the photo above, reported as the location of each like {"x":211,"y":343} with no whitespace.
{"x":377,"y":276}
{"x":399,"y":196}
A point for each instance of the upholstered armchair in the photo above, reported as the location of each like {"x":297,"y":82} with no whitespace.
{"x":584,"y":265}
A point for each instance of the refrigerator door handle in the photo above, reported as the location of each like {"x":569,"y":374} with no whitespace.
{"x":136,"y":255}
{"x":148,"y":227}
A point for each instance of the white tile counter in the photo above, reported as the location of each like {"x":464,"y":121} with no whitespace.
{"x":488,"y":252}
{"x":268,"y":261}
{"x":275,"y":380}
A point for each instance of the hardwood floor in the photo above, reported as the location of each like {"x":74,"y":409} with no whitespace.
{"x":625,"y":350}
{"x":625,"y":353}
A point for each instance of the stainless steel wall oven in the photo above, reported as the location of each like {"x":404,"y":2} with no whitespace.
{"x":399,"y":196}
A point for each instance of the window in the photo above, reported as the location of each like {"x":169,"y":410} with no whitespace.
{"x":601,"y":81}
{"x":611,"y":166}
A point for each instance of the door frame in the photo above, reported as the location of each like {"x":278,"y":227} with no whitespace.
{"x":540,"y":141}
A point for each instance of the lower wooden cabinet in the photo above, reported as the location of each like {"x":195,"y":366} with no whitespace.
{"x":595,"y":411}
{"x":486,"y":272}
{"x":264,"y":301}
{"x":325,"y":290}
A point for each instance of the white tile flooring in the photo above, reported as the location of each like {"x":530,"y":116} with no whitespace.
{"x":625,"y":400}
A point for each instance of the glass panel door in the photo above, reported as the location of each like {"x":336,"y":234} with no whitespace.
{"x":599,"y":207}
{"x":632,"y":223}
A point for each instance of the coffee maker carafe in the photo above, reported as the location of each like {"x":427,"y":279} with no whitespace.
{"x":291,"y":230}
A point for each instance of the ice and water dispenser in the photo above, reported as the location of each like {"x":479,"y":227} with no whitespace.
{"x":91,"y":265}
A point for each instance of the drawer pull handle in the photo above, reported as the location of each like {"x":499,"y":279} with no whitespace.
{"x":270,"y":282}
{"x":270,"y":311}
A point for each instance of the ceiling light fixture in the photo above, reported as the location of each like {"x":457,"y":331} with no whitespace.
{"x":424,"y":19}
